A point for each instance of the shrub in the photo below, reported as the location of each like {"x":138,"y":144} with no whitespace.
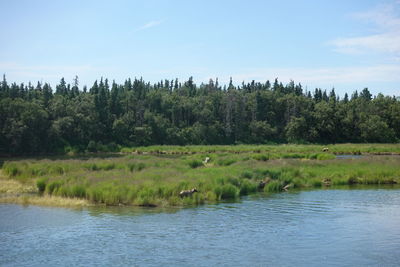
{"x":112,"y":147}
{"x":91,"y":147}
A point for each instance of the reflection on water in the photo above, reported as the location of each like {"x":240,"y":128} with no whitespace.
{"x":349,"y":156}
{"x":324,"y":227}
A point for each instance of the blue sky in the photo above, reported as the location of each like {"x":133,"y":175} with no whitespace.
{"x":348,"y":45}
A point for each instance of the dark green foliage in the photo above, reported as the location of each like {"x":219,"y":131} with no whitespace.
{"x":98,"y":167}
{"x":195,"y":163}
{"x":247,"y":175}
{"x":247,"y":187}
{"x":132,"y":166}
{"x":11,"y":170}
{"x":41,"y":185}
{"x":229,"y":191}
{"x":261,"y":157}
{"x":137,"y":113}
{"x":52,"y":187}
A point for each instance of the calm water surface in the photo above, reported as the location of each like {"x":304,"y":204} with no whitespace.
{"x":313,"y":228}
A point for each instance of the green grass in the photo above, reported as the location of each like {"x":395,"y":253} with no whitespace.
{"x":155,"y":179}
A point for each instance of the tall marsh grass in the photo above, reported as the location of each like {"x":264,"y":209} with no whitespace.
{"x":156,"y":180}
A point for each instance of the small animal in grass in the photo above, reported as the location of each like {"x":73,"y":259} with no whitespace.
{"x":325,"y":149}
{"x":206,"y":160}
{"x":187,"y":193}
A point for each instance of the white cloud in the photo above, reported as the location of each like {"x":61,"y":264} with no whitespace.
{"x":386,"y":39}
{"x":148,"y":25}
{"x":384,"y":43}
{"x":383,"y":16}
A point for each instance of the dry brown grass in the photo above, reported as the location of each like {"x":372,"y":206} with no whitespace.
{"x":45,"y":201}
{"x":12,"y":191}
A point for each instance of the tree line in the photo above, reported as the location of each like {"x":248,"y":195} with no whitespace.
{"x":38,"y":119}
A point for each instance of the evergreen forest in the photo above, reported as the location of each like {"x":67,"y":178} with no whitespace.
{"x":107,"y":116}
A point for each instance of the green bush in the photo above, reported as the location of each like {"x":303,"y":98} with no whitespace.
{"x":91,"y":147}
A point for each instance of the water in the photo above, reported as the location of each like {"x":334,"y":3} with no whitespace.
{"x":311,"y":228}
{"x":349,"y":156}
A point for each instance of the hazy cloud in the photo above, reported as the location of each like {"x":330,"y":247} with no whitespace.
{"x":149,"y":25}
{"x":385,"y":22}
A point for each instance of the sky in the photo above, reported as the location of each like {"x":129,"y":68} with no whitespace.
{"x":346,"y":45}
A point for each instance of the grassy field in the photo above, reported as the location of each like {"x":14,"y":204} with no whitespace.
{"x":155,"y":176}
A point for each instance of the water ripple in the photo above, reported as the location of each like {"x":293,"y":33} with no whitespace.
{"x":334,"y":227}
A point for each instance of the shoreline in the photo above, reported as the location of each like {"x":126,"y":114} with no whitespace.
{"x":21,"y":194}
{"x":214,"y":173}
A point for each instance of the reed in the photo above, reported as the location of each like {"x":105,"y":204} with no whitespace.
{"x":156,"y":175}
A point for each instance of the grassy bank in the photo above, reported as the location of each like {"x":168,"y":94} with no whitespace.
{"x":155,"y":176}
{"x":354,"y":149}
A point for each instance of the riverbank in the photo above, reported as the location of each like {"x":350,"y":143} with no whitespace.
{"x":12,"y":191}
{"x":157,"y":178}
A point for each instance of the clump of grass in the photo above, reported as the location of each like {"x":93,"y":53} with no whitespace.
{"x":133,"y":166}
{"x":261,"y":157}
{"x":107,"y":166}
{"x":78,"y":191}
{"x":247,"y":175}
{"x":226,"y":161}
{"x":194,"y":163}
{"x":273,"y":186}
{"x":226,"y":191}
{"x":41,"y":184}
{"x":53,"y":186}
{"x":247,"y":187}
{"x":11,"y":169}
{"x":292,"y":156}
{"x":315,"y":182}
{"x":325,"y":156}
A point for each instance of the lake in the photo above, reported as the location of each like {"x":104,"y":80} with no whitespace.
{"x":357,"y":227}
